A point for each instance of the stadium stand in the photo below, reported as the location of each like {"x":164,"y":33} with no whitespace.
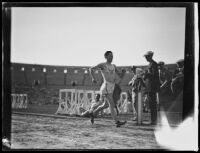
{"x":74,"y":77}
{"x":127,"y":77}
{"x":88,"y":80}
{"x":54,"y":75}
{"x":35,"y":73}
{"x":18,"y":74}
{"x":54,"y":78}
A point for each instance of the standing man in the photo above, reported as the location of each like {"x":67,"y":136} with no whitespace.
{"x":152,"y":85}
{"x":137,"y":84}
{"x":178,"y":78}
{"x":108,"y":71}
{"x":164,"y":76}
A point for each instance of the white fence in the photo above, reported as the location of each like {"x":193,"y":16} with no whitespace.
{"x":70,"y":100}
{"x":19,"y":101}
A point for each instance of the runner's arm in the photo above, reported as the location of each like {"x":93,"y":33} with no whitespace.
{"x":91,"y":71}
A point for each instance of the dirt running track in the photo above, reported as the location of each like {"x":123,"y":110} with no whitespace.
{"x":37,"y":132}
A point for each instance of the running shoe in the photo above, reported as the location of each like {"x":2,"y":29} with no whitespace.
{"x":119,"y":123}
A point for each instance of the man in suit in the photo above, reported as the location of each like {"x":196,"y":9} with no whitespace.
{"x":152,"y":83}
{"x":178,"y":78}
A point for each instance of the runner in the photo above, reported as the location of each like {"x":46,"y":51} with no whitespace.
{"x":108,"y":72}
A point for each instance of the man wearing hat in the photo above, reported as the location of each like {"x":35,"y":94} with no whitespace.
{"x":164,"y":76}
{"x":178,"y":78}
{"x":152,"y":83}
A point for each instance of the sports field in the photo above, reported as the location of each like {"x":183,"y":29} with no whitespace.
{"x":64,"y":132}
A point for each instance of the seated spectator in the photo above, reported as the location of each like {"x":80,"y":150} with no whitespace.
{"x":36,"y":82}
{"x":96,"y":103}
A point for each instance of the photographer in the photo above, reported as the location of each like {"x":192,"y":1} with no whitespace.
{"x":137,"y":84}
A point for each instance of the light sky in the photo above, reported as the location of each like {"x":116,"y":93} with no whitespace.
{"x":79,"y":36}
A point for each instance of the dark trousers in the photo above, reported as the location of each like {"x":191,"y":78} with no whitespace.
{"x":153,"y":106}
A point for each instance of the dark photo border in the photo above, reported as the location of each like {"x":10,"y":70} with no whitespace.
{"x":189,"y":53}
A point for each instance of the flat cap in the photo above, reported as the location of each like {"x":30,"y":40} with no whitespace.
{"x":161,"y":63}
{"x":133,"y":68}
{"x":180,"y":61}
{"x":149,"y":53}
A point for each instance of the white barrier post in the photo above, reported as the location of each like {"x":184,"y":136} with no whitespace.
{"x":13,"y":100}
{"x":25,"y":102}
{"x":123,"y":99}
{"x":17,"y":101}
{"x":21,"y":98}
{"x":80,"y":99}
{"x":73,"y":101}
{"x":139,"y":108}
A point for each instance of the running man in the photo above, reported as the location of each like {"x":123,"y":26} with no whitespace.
{"x":109,"y":72}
